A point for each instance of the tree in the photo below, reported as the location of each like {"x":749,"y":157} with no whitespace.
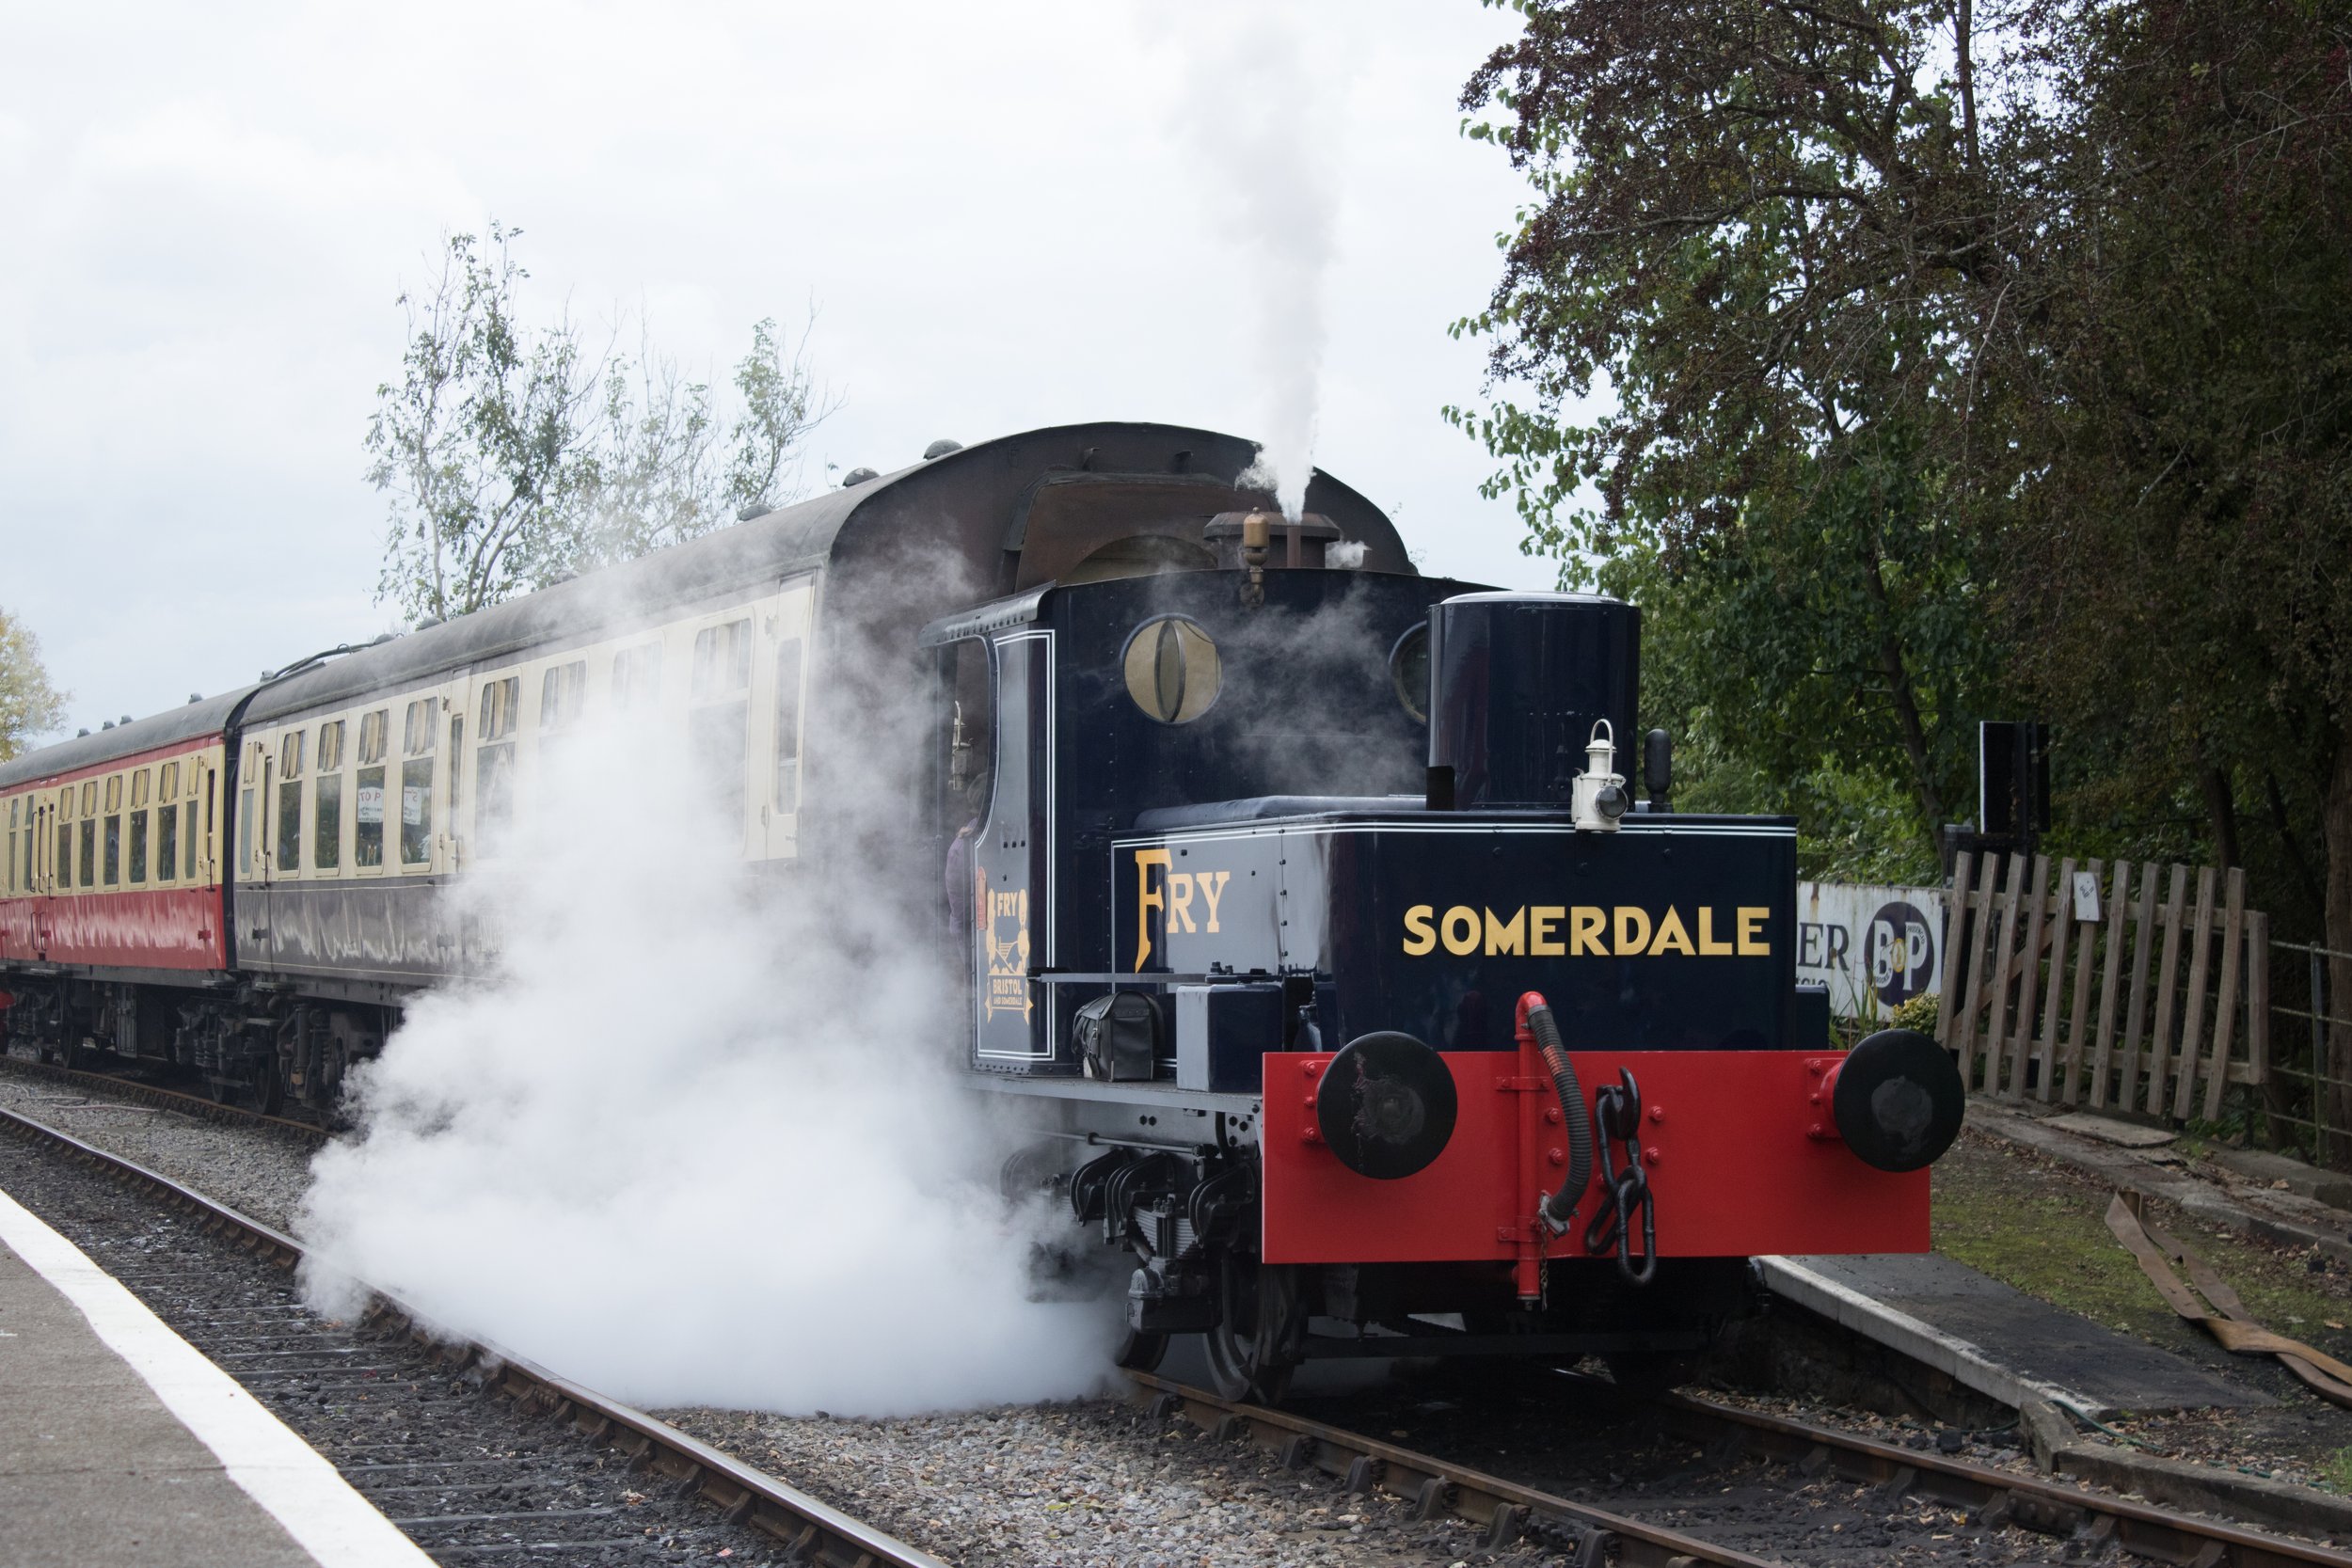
{"x":2178,"y":576}
{"x":29,"y":706}
{"x":515,"y":458}
{"x":1765,"y":229}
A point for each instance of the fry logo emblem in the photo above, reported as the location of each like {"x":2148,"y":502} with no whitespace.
{"x":1006,"y":934}
{"x":1587,"y":930}
{"x":1175,"y":894}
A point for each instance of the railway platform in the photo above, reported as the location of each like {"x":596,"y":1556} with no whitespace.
{"x":1997,"y":1341}
{"x":120,"y":1444}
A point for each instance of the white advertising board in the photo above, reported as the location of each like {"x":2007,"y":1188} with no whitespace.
{"x":1876,"y":947}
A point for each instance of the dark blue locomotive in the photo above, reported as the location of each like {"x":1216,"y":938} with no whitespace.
{"x":1304,"y":909}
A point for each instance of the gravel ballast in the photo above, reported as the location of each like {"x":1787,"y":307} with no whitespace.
{"x":256,"y":1171}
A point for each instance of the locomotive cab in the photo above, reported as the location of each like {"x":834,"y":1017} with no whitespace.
{"x":1310,"y":919}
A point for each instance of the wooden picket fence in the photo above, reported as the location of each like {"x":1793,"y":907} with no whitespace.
{"x":2182,"y":1007}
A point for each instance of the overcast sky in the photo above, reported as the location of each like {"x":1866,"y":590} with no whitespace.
{"x":1005,"y":216}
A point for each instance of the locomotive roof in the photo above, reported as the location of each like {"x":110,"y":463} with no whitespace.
{"x":978,"y":503}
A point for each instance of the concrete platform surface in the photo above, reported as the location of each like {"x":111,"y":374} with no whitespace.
{"x":120,"y":1444}
{"x":1996,"y":1339}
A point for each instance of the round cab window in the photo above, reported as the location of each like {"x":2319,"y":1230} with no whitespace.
{"x":1171,"y":670}
{"x":1409,"y":670}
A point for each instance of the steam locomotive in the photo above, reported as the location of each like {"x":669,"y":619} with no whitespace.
{"x":1304,"y":909}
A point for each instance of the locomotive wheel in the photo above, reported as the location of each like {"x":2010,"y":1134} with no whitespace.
{"x":1254,"y":1348}
{"x":263,"y":1092}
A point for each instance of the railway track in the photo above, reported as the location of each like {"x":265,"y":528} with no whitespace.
{"x":1789,"y":1455}
{"x":450,"y":1440}
{"x":135,"y":1092}
{"x":269,"y":1338}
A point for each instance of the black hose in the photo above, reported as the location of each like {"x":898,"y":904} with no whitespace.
{"x":1560,"y":1206}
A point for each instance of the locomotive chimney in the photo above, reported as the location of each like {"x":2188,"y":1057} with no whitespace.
{"x":1517,"y":684}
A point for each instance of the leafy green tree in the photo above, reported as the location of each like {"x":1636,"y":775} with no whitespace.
{"x":2179,"y":575}
{"x":29,"y":706}
{"x":1762,"y":229}
{"x":516,"y":457}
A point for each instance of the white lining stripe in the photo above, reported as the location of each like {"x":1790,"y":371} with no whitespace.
{"x":291,"y":1481}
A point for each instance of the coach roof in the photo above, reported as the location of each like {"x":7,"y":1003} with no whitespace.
{"x":974,"y":505}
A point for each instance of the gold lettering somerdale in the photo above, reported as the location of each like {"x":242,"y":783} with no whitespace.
{"x":1625,"y":931}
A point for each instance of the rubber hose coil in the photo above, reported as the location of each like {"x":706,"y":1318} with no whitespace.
{"x":1561,"y":1205}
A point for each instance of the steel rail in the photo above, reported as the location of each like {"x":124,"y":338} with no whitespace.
{"x":2049,"y":1507}
{"x":2091,"y":1520}
{"x":1439,"y":1489}
{"x":813,"y":1530}
{"x":165,"y":1099}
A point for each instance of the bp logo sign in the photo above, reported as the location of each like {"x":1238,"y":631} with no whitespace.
{"x":1898,"y":952}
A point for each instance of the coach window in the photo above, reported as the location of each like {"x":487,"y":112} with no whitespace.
{"x":788,"y":726}
{"x":416,"y":784}
{"x":138,"y":825}
{"x":244,"y":831}
{"x":326,"y":800}
{"x":290,"y":750}
{"x":494,"y":759}
{"x":720,"y":718}
{"x":367,"y":805}
{"x":637,"y":678}
{"x":563,"y":702}
{"x":11,"y":847}
{"x":114,"y":830}
{"x":167,"y":821}
{"x":64,"y":837}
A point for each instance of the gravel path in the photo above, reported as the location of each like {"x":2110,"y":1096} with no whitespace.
{"x":257,"y":1172}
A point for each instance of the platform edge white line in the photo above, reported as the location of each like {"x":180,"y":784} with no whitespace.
{"x":290,"y":1481}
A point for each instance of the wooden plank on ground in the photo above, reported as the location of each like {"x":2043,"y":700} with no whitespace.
{"x":2004,"y":968}
{"x":2029,"y":982}
{"x":2199,"y":981}
{"x":2061,"y":921}
{"x":2119,"y":907}
{"x":2225,"y":1011}
{"x":2165,"y":994}
{"x":1953,"y":937}
{"x":2085,"y":952}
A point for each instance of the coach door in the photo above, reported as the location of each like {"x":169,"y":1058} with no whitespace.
{"x":39,"y":880}
{"x":781,"y":689}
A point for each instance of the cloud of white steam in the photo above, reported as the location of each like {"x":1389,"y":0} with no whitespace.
{"x":1258,"y":105}
{"x":688,"y":1143}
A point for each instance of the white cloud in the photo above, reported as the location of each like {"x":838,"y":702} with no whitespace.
{"x":998,"y":210}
